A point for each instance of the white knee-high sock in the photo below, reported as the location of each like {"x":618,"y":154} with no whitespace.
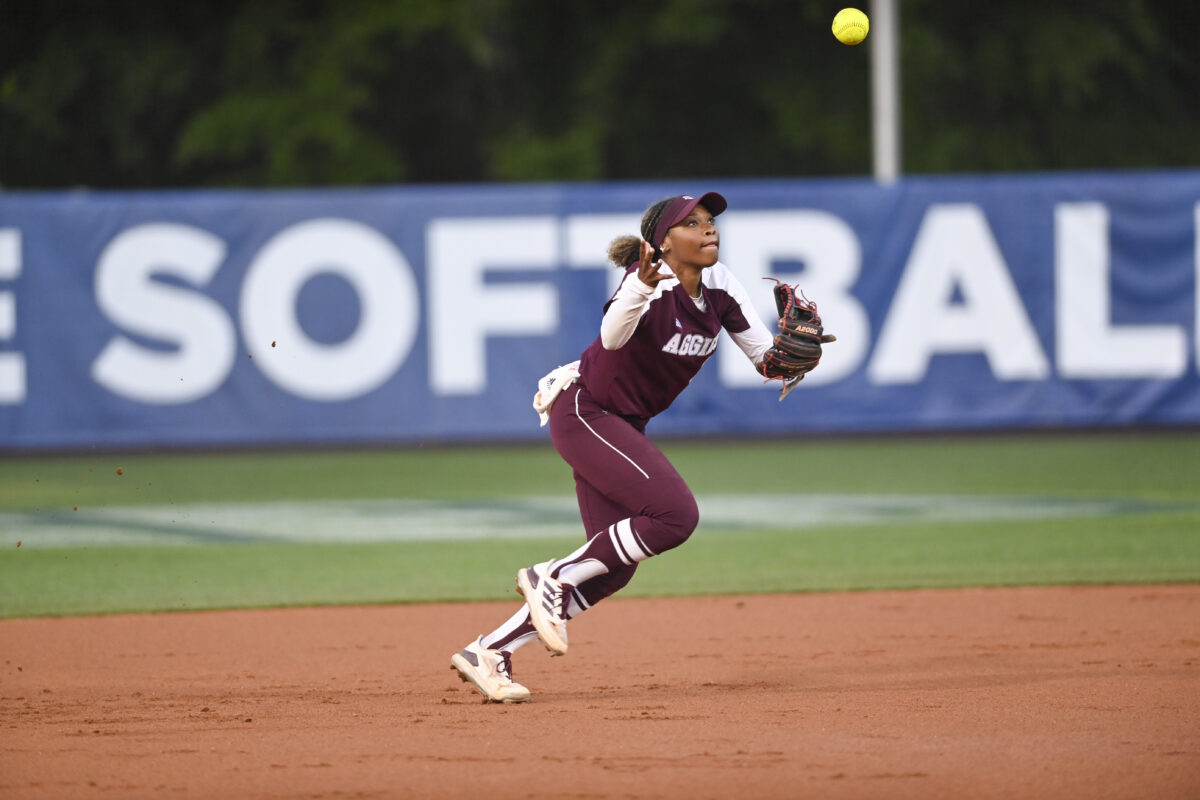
{"x":617,"y":545}
{"x":517,"y":631}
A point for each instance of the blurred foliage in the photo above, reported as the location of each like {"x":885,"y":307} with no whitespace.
{"x":128,"y":93}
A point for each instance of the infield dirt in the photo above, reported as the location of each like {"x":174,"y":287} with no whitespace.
{"x":1086,"y":692}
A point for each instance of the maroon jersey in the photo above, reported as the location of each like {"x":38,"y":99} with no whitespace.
{"x":673,"y":338}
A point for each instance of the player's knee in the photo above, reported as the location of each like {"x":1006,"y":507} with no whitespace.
{"x":689,"y":516}
{"x":680,"y":518}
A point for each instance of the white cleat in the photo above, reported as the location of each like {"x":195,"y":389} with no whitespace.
{"x":546,"y":599}
{"x":490,"y":671}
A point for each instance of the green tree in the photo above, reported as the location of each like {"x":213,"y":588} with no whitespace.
{"x":1030,"y":85}
{"x":127,"y":93}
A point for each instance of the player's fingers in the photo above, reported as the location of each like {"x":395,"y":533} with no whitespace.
{"x":647,"y":252}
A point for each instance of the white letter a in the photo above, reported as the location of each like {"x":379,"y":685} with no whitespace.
{"x":955,"y":250}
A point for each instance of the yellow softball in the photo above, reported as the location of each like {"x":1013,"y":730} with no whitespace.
{"x":850,"y":26}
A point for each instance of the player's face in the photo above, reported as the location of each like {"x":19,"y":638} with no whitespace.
{"x":695,"y":240}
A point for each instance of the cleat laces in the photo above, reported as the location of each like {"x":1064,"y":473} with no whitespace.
{"x":504,"y":668}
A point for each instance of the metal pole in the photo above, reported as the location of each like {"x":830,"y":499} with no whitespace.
{"x":885,"y":89}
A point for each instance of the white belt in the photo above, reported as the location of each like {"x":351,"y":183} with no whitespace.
{"x":549,"y":387}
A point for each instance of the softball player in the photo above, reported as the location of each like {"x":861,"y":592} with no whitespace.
{"x":658,"y":329}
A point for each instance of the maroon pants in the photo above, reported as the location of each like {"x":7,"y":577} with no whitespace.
{"x":619,"y":474}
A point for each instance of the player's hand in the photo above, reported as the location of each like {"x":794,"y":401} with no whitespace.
{"x":648,"y":267}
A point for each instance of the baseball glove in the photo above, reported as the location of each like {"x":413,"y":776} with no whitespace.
{"x":797,"y":347}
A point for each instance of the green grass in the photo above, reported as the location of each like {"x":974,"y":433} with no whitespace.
{"x":1162,"y":466}
{"x":1151,"y":546}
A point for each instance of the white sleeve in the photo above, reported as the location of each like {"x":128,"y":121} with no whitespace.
{"x":756,"y":340}
{"x":626,"y":308}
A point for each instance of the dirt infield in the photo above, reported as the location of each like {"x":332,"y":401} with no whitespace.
{"x":1040,"y":692}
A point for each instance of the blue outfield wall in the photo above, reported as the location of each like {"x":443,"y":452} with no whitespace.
{"x":408,"y":314}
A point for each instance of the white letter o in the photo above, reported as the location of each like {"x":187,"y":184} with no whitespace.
{"x":387,"y":293}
